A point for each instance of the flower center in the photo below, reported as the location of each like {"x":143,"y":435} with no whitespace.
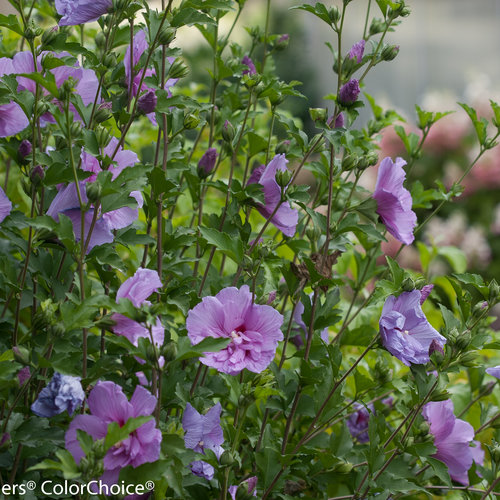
{"x":201,"y":443}
{"x":406,"y":332}
{"x":234,"y":335}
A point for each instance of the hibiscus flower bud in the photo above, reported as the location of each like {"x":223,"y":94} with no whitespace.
{"x":283,"y":178}
{"x":408,"y":285}
{"x":339,"y":120}
{"x":25,"y":149}
{"x":463,"y":340}
{"x":178,"y":69}
{"x":147,"y":103}
{"x":100,"y":40}
{"x":166,"y":36}
{"x":282,"y":42}
{"x":21,"y":354}
{"x":349,"y":92}
{"x":228,"y":131}
{"x":349,"y":162}
{"x":50,"y":35}
{"x":250,"y":65}
{"x":191,"y":121}
{"x":283,"y":147}
{"x":32,"y":31}
{"x":103,"y":112}
{"x":494,"y":291}
{"x":169,"y":351}
{"x":5,"y":441}
{"x":357,"y":51}
{"x":207,"y":163}
{"x":468,"y":359}
{"x":334,"y":15}
{"x":317,"y":114}
{"x":37,"y":175}
{"x":103,"y":136}
{"x":93,"y":190}
{"x":389,"y":52}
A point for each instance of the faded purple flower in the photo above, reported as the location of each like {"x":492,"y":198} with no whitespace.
{"x":12,"y":119}
{"x":285,"y":218}
{"x":494,"y":371}
{"x":23,"y":375}
{"x":250,"y":65}
{"x":147,"y":102}
{"x":25,"y":148}
{"x":349,"y":92}
{"x":107,"y":404}
{"x":137,"y":289}
{"x":63,"y":393}
{"x":254,"y":330}
{"x":405,"y":331}
{"x":394,"y":201}
{"x":357,"y":423}
{"x":389,"y":401}
{"x":250,"y":484}
{"x":207,"y":162}
{"x":81,"y":11}
{"x":452,"y":438}
{"x":425,"y":292}
{"x":435,"y":347}
{"x":5,"y":205}
{"x":357,"y":51}
{"x":203,"y":432}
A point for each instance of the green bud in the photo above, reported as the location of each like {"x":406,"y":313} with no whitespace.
{"x":151,"y":353}
{"x":453,"y":336}
{"x":32,"y":31}
{"x":334,"y":15}
{"x":251,"y":81}
{"x":228,"y":131}
{"x":372,"y":158}
{"x":227,"y":459}
{"x":463,"y":340}
{"x":166,"y":35}
{"x":282,"y":42}
{"x":58,"y":330}
{"x":178,"y":69}
{"x":468,"y":359}
{"x":103,"y":136}
{"x":42,"y":107}
{"x":317,"y":114}
{"x":408,"y":285}
{"x":276,"y":98}
{"x":66,"y":89}
{"x":120,"y":5}
{"x":169,"y":351}
{"x":440,"y":396}
{"x":100,"y":40}
{"x":283,"y":147}
{"x":410,"y":441}
{"x":343,"y":467}
{"x":494,"y":291}
{"x":93,"y":190}
{"x":423,"y":429}
{"x":420,"y":283}
{"x":259,"y":88}
{"x":49,"y":35}
{"x":109,"y":60}
{"x":495,"y":452}
{"x":313,"y":233}
{"x":283,"y":178}
{"x":376,"y":26}
{"x":76,"y":129}
{"x":349,"y":162}
{"x":102,"y":114}
{"x":105,"y":322}
{"x":21,"y":354}
{"x":191,"y":121}
{"x":389,"y":52}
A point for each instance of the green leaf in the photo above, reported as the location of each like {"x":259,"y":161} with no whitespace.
{"x":210,"y":344}
{"x":455,"y":257}
{"x":268,"y":463}
{"x":116,"y":433}
{"x":319,"y":10}
{"x":232,"y":247}
{"x":256,"y":143}
{"x":188,"y":16}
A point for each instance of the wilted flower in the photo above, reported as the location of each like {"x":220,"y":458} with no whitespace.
{"x":107,"y":404}
{"x":285,"y":218}
{"x":5,"y":205}
{"x":147,"y":103}
{"x":452,"y":438}
{"x":250,"y":65}
{"x":405,"y":331}
{"x":357,"y":51}
{"x":254,"y":330}
{"x":425,"y":292}
{"x":494,"y":371}
{"x":76,"y":12}
{"x":63,"y":393}
{"x":203,"y":432}
{"x":207,"y":162}
{"x":250,"y":484}
{"x":394,"y":201}
{"x":357,"y":423}
{"x":349,"y":92}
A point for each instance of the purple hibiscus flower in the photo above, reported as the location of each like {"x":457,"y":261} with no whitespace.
{"x":207,"y":162}
{"x":66,"y":200}
{"x":357,"y":51}
{"x":250,"y":65}
{"x":12,"y":119}
{"x":285,"y":218}
{"x":203,"y":432}
{"x":404,"y":329}
{"x":357,"y":423}
{"x":452,"y":438}
{"x":394,"y":201}
{"x":137,"y":289}
{"x":107,"y":404}
{"x":140,"y":45}
{"x":63,"y":393}
{"x":81,"y":11}
{"x":254,"y":330}
{"x":494,"y":371}
{"x":250,"y":484}
{"x":5,"y":205}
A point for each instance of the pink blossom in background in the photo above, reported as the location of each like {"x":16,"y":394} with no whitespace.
{"x":254,"y":330}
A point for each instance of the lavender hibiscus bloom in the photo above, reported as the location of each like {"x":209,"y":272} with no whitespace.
{"x":494,"y":371}
{"x":250,"y":65}
{"x":63,"y":393}
{"x":452,"y":438}
{"x":285,"y":218}
{"x":404,"y":329}
{"x":140,"y":45}
{"x":81,"y":11}
{"x":254,"y":330}
{"x":349,"y":92}
{"x":12,"y":119}
{"x":203,"y":432}
{"x":107,"y":404}
{"x":394,"y":201}
{"x":5,"y":205}
{"x":357,"y":51}
{"x":357,"y":423}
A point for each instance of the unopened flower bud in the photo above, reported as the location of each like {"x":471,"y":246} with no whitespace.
{"x":169,"y":351}
{"x":42,"y":107}
{"x":317,"y":114}
{"x":435,"y":347}
{"x":67,"y":88}
{"x":37,"y":175}
{"x":228,"y":131}
{"x":282,"y":42}
{"x":207,"y":163}
{"x":119,"y":5}
{"x":32,"y":31}
{"x":283,"y":147}
{"x":495,"y":452}
{"x":440,"y":396}
{"x":389,"y":52}
{"x":191,"y":121}
{"x":339,"y":120}
{"x":349,"y":92}
{"x":25,"y":148}
{"x":166,"y":35}
{"x":463,"y":340}
{"x":408,"y":285}
{"x":494,"y":291}
{"x":227,"y":459}
{"x":283,"y":177}
{"x":376,"y":26}
{"x":21,"y":354}
{"x":178,"y":69}
{"x":5,"y":441}
{"x":58,"y":330}
{"x":349,"y":162}
{"x":271,"y":298}
{"x":100,"y":40}
{"x":93,"y":190}
{"x":453,"y":336}
{"x":103,"y":112}
{"x":147,"y":103}
{"x":357,"y":51}
{"x":103,"y":136}
{"x":468,"y":359}
{"x":250,"y":65}
{"x":276,"y":98}
{"x":334,"y":15}
{"x":343,"y":468}
{"x":50,"y":35}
